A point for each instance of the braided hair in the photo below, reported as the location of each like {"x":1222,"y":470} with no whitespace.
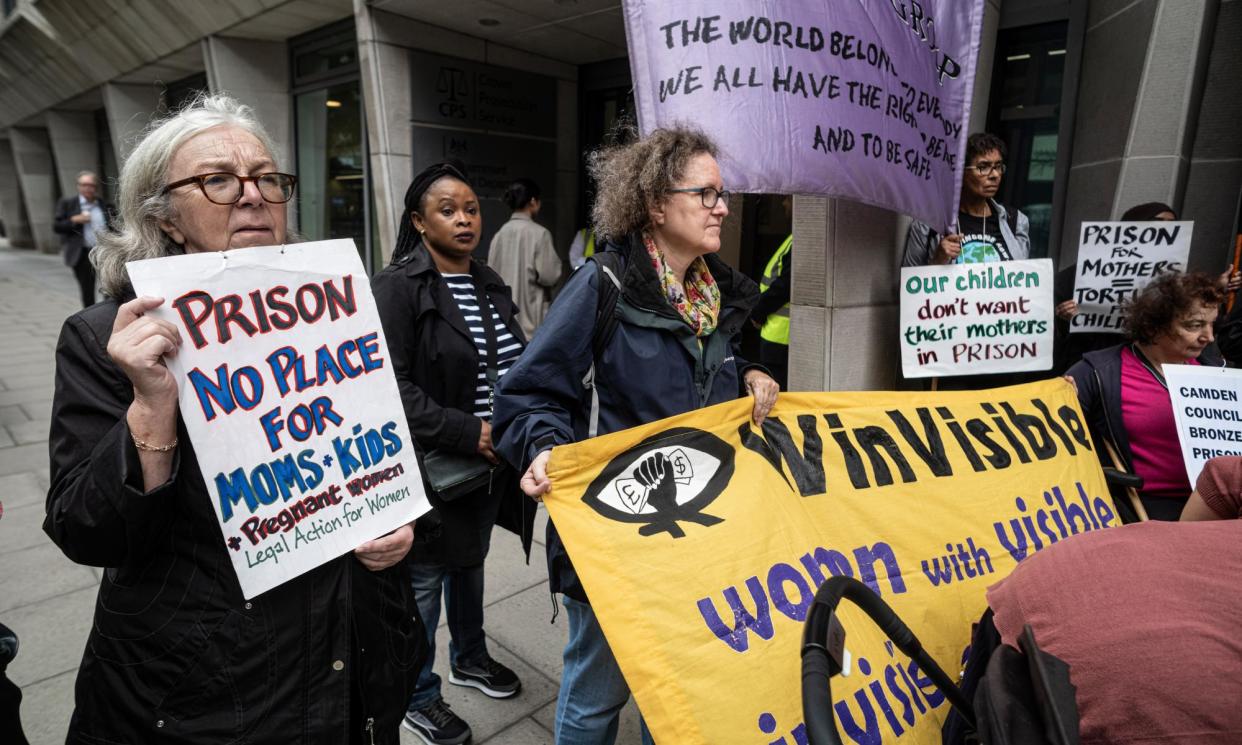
{"x":407,"y":237}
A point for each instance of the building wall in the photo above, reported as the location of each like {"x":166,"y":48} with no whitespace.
{"x":1166,"y":133}
{"x":12,"y":211}
{"x":1214,"y":184}
{"x":395,"y":100}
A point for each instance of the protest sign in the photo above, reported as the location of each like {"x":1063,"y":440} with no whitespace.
{"x":701,"y":540}
{"x":1116,"y":260}
{"x":1207,"y":408}
{"x":865,"y":100}
{"x":288,"y":395}
{"x":964,"y":319}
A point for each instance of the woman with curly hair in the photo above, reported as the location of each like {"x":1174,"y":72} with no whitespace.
{"x":679,"y":314}
{"x":1123,"y":390}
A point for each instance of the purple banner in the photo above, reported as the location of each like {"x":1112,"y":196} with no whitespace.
{"x":863,"y":99}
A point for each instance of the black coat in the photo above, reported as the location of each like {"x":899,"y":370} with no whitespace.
{"x":436,"y":363}
{"x":72,"y":243}
{"x":176,"y":654}
{"x":652,"y":367}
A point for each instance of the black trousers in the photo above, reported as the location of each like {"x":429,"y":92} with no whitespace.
{"x":85,"y":274}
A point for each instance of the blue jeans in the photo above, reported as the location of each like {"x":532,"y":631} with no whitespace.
{"x":463,"y":600}
{"x":593,"y":691}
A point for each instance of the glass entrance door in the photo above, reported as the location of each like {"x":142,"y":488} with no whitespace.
{"x":331,"y":168}
{"x":1025,"y":111}
{"x":334,"y":192}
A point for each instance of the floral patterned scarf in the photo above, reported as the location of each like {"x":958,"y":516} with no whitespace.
{"x":697,"y":299}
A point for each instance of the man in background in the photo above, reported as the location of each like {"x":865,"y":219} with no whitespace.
{"x":78,"y":219}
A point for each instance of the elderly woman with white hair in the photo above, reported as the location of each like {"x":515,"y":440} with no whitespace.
{"x":175,"y":653}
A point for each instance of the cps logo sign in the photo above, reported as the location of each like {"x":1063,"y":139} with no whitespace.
{"x":665,"y":479}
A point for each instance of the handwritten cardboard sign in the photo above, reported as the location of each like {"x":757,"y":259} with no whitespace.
{"x":288,"y":395}
{"x":964,"y":319}
{"x":1116,"y":260}
{"x":1207,"y":405}
{"x":867,"y":100}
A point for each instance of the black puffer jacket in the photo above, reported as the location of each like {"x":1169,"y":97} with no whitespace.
{"x":176,"y":654}
{"x":436,"y":363}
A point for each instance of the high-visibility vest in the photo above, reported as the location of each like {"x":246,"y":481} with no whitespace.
{"x":589,"y":235}
{"x":776,"y":326}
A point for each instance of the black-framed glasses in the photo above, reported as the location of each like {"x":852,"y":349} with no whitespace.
{"x":226,"y":188}
{"x":985,"y":169}
{"x":708,"y":194}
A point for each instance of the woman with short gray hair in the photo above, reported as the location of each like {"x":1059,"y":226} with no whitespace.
{"x":176,"y":653}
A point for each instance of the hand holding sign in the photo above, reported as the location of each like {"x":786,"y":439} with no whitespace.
{"x":949,"y":248}
{"x":138,"y":346}
{"x":387,"y":550}
{"x":535,"y":481}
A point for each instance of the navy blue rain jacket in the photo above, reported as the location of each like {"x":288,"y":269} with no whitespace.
{"x":651,"y":368}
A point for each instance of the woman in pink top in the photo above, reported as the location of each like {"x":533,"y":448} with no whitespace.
{"x":1124,"y":394}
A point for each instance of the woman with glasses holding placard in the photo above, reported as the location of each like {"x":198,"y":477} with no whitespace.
{"x":672,"y":348}
{"x":176,"y":654}
{"x":986,"y":229}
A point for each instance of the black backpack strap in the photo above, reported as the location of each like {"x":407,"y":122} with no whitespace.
{"x":608,"y":267}
{"x":1011,"y":217}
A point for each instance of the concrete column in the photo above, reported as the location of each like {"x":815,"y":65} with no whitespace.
{"x":12,"y":211}
{"x":75,"y":144}
{"x":1157,"y":155}
{"x":386,"y":94}
{"x":1215,"y":179}
{"x":33,"y":154}
{"x":843,"y":315}
{"x":1144,"y":70}
{"x":256,"y":73}
{"x":130,"y":107}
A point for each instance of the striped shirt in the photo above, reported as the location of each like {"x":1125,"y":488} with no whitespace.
{"x":507,"y":346}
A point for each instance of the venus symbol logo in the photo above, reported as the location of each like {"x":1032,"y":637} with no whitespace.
{"x":666,"y":479}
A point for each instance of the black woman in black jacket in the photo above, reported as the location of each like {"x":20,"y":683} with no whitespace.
{"x":437,"y":305}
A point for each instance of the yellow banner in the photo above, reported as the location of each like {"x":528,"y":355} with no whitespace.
{"x":701,"y":540}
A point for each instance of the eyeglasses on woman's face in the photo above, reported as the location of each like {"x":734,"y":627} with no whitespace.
{"x":227,"y":188}
{"x":985,"y":168}
{"x":708,"y":194}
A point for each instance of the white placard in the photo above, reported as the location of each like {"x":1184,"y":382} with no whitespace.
{"x":1118,"y":259}
{"x":1207,"y":404}
{"x":288,"y":395}
{"x":968,"y":319}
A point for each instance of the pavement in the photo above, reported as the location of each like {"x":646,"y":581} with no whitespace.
{"x":49,"y":601}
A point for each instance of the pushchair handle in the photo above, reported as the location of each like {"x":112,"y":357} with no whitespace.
{"x":823,"y":644}
{"x":1119,"y":478}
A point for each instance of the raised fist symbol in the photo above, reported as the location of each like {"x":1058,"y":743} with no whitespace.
{"x":656,"y":473}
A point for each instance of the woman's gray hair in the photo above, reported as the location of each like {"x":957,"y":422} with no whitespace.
{"x":141,"y":203}
{"x":630,"y":178}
